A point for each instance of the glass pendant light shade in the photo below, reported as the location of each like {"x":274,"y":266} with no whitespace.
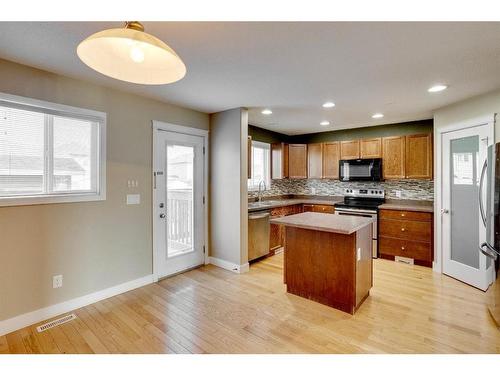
{"x":129,"y":54}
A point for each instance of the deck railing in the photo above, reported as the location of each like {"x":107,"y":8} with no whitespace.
{"x":180,"y":220}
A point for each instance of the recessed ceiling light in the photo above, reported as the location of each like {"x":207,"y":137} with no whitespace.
{"x":266,"y":112}
{"x":329,"y":105}
{"x":378,"y":115}
{"x":437,"y":88}
{"x":324,"y":123}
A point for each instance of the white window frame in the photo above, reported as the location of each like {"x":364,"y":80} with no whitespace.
{"x":65,"y":111}
{"x":268,"y":177}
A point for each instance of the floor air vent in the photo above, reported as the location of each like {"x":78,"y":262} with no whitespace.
{"x":56,"y":322}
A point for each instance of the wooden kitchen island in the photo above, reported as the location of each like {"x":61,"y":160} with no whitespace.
{"x":328,"y":258}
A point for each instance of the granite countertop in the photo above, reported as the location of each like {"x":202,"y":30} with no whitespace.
{"x":324,"y":222}
{"x":407,"y":205}
{"x":390,"y":204}
{"x":274,"y":203}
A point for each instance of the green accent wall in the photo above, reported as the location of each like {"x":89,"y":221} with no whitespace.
{"x":267,"y":136}
{"x":404,"y":128}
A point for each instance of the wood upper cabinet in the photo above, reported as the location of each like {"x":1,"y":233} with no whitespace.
{"x":279,"y":160}
{"x":249,"y":159}
{"x":331,"y":158}
{"x":393,"y":155}
{"x":419,"y":156}
{"x":349,"y":150}
{"x":297,"y":160}
{"x":315,"y":160}
{"x":371,"y":148}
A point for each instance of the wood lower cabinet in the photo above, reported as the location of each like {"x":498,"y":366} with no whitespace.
{"x":326,"y":209}
{"x":419,"y":156}
{"x":279,"y":161}
{"x":393,"y":157}
{"x":331,"y":158}
{"x":315,"y":160}
{"x":277,"y":232}
{"x":297,"y":161}
{"x":371,"y":148}
{"x":406,"y":234}
{"x":349,"y":150}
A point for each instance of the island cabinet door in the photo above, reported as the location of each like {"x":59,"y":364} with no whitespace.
{"x":321,"y":266}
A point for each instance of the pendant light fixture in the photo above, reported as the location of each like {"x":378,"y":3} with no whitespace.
{"x":129,"y":54}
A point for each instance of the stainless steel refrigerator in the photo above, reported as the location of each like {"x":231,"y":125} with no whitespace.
{"x":490,"y":209}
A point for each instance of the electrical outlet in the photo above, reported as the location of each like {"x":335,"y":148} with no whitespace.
{"x":313,"y":191}
{"x":57,"y":281}
{"x":398,"y":193}
{"x":358,"y":254}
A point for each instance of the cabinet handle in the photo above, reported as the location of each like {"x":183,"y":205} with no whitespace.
{"x":403,"y":229}
{"x":402,"y":247}
{"x":403,"y":215}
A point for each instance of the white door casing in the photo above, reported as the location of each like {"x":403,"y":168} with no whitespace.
{"x":463,"y":152}
{"x":179,"y":203}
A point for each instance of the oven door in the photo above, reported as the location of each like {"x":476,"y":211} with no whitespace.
{"x":361,"y":170}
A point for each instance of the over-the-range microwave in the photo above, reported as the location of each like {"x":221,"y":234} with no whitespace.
{"x":361,"y":170}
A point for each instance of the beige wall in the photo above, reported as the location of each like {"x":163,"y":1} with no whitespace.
{"x":95,"y":245}
{"x":228,"y":186}
{"x":477,"y":106}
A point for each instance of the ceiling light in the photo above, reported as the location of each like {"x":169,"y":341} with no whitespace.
{"x":129,"y":54}
{"x":266,"y":112}
{"x":324,"y":123}
{"x":329,"y":105}
{"x":437,"y":88}
{"x":378,"y":115}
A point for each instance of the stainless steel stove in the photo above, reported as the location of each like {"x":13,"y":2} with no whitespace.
{"x":363,"y":202}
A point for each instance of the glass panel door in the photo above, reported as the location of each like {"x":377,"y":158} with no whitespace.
{"x":463,"y":156}
{"x":178,"y":204}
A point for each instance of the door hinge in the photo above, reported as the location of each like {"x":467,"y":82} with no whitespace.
{"x":203,"y":199}
{"x":203,"y":150}
{"x":203,"y":249}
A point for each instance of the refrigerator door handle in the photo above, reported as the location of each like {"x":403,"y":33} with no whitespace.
{"x":488,"y":250}
{"x":481,"y":181}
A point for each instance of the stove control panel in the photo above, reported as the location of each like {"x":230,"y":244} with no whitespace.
{"x":368,"y":193}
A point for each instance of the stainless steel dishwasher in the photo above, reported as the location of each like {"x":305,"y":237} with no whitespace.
{"x":258,"y":234}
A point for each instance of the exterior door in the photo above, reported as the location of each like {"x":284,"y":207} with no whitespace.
{"x":464,"y":153}
{"x":178,"y":202}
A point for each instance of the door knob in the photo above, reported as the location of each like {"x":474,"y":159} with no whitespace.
{"x":162,"y":216}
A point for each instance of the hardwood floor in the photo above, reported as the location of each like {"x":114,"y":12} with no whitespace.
{"x":209,"y":310}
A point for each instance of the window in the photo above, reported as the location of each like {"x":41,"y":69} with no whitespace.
{"x":50,"y":153}
{"x":261,"y":161}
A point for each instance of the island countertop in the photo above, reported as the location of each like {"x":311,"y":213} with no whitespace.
{"x":324,"y":222}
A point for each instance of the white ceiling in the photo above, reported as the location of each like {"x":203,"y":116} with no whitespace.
{"x":293,"y":68}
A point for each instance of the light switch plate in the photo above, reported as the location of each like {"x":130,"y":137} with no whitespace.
{"x":358,"y":254}
{"x":133,"y":199}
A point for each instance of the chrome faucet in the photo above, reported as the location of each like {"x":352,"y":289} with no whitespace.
{"x":259,"y":194}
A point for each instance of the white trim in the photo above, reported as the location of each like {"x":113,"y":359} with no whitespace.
{"x":75,"y":112}
{"x":437,"y":264}
{"x":42,"y":104}
{"x":183,"y":129}
{"x":159,"y":125}
{"x":24,"y":320}
{"x":233,"y":267}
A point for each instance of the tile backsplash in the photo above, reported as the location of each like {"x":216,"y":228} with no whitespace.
{"x":410,"y":189}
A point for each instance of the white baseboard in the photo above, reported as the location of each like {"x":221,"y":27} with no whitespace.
{"x":233,"y":267}
{"x":24,"y":320}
